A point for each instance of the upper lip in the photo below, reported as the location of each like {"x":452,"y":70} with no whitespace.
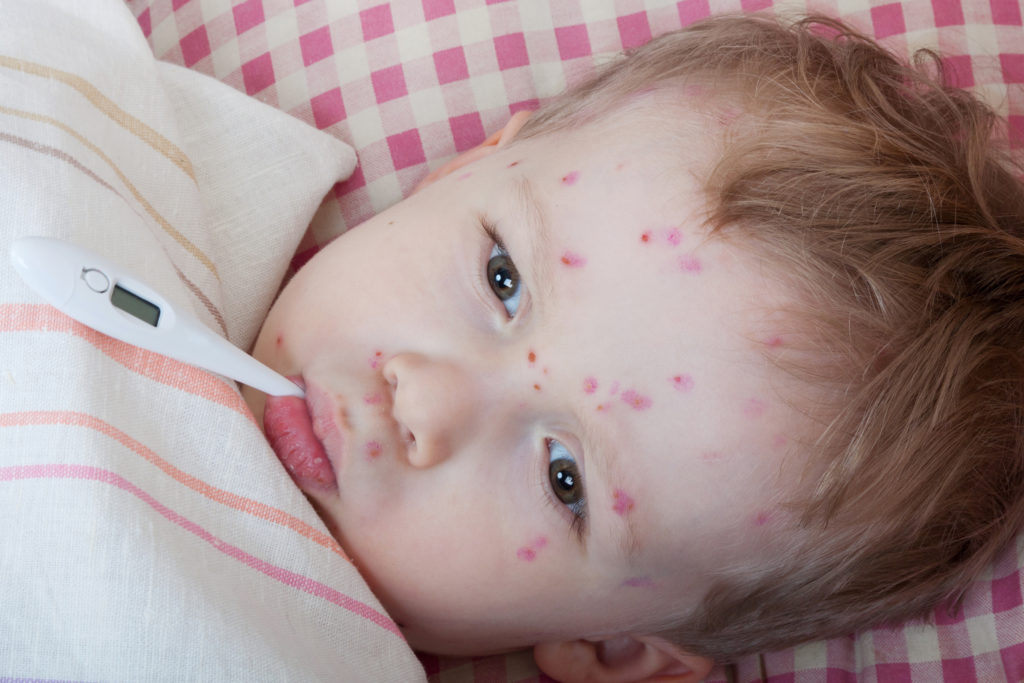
{"x":327,"y":427}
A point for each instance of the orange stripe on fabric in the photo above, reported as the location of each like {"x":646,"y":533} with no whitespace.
{"x":164,"y":224}
{"x":231,"y":500}
{"x":154,"y":366}
{"x":130,"y":123}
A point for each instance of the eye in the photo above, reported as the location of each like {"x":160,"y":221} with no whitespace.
{"x":503,"y":279}
{"x":566,"y":481}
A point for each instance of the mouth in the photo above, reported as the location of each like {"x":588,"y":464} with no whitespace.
{"x":301,"y":432}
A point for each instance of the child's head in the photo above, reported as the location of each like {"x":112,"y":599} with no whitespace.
{"x":720,"y":350}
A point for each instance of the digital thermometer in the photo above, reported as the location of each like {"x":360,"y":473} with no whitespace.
{"x":105,"y":297}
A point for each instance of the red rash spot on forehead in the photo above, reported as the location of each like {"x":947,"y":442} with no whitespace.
{"x":375,"y":359}
{"x":570,"y":178}
{"x":639,"y":582}
{"x":589,"y":385}
{"x":531,"y":357}
{"x":623,"y":502}
{"x":646,"y":236}
{"x":683,"y":383}
{"x":536,"y":387}
{"x":636,"y":400}
{"x":754,"y":407}
{"x":689,"y":263}
{"x":674,"y":237}
{"x":573,"y":260}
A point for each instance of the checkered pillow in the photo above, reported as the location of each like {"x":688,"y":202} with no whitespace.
{"x":410,"y":83}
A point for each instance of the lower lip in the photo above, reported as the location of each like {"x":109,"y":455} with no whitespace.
{"x":290,"y":429}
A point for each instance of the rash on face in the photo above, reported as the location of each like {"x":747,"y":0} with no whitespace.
{"x":528,"y":552}
{"x":623,"y":502}
{"x":573,"y":260}
{"x":636,"y":400}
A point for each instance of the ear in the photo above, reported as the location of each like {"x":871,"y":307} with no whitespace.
{"x":496,"y":141}
{"x":622,"y":659}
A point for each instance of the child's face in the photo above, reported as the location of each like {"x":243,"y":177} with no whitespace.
{"x":563,"y":447}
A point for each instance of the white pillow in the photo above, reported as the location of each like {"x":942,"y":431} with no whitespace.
{"x":147,"y":532}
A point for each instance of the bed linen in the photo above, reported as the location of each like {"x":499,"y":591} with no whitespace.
{"x":409,"y":83}
{"x":147,"y":532}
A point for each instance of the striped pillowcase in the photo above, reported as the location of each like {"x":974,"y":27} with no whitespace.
{"x":147,"y":532}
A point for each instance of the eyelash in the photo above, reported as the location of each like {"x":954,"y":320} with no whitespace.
{"x":498,"y":250}
{"x":577,"y":507}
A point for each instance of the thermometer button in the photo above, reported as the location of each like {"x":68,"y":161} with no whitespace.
{"x":96,"y":280}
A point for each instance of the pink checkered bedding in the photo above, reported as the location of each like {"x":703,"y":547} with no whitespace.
{"x":409,"y":83}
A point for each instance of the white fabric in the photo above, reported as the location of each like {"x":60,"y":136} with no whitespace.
{"x":146,"y":530}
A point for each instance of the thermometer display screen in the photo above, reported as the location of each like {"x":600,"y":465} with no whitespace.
{"x":135,"y":305}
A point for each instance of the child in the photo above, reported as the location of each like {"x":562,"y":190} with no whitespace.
{"x":718,"y":353}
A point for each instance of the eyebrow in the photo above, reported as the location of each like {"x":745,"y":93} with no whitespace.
{"x":541,"y":248}
{"x":541,"y":243}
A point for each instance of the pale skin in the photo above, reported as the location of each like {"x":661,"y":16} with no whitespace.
{"x":547,"y":439}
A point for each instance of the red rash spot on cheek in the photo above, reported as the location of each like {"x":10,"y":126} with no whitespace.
{"x":280,"y":340}
{"x":514,"y":163}
{"x":674,"y":237}
{"x":623,"y":503}
{"x":373,"y":449}
{"x":536,"y":387}
{"x":589,"y":385}
{"x":646,"y":236}
{"x":376,"y":359}
{"x":531,"y":357}
{"x":763,"y":517}
{"x":372,"y":399}
{"x":528,"y":553}
{"x":573,"y":260}
{"x":636,"y":401}
{"x":773,"y":342}
{"x":570,"y":178}
{"x":465,"y":175}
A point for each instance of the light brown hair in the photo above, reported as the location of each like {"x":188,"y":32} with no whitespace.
{"x":877,"y":192}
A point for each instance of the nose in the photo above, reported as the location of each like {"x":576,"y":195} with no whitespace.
{"x":435,"y":402}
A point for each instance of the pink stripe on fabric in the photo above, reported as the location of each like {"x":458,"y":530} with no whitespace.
{"x":231,"y":500}
{"x":167,"y":371}
{"x":285,"y":576}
